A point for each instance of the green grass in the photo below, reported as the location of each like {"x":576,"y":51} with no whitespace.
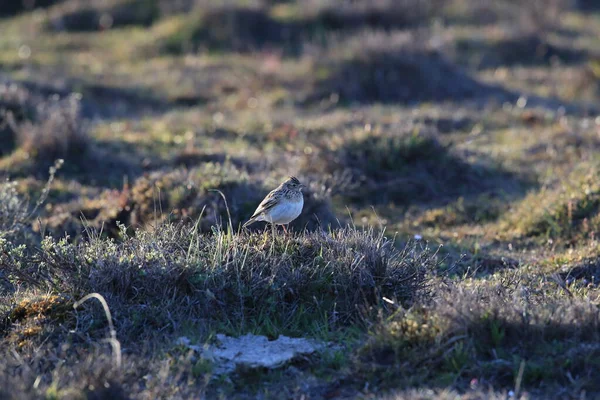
{"x":567,"y":212}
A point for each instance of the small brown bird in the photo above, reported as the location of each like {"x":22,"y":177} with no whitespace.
{"x":281,"y":206}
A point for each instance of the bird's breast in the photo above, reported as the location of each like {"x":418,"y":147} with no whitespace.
{"x":286,"y":212}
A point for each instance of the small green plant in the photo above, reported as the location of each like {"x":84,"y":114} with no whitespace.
{"x":459,"y":358}
{"x":334,"y":360}
{"x":497,"y":333}
{"x":202,"y":367}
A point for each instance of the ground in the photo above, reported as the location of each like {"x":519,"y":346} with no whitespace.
{"x":448,"y":246}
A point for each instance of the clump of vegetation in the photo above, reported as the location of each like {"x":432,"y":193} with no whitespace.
{"x":154,"y":198}
{"x":15,"y":7}
{"x":377,"y":14}
{"x":217,"y":193}
{"x":192,"y":193}
{"x":17,"y":104}
{"x":37,"y":308}
{"x":482,"y":209}
{"x":569,"y":212}
{"x":16,"y":215}
{"x":531,"y":339}
{"x":43,"y":128}
{"x":404,"y":167}
{"x":7,"y":134}
{"x":184,"y":193}
{"x":32,"y":317}
{"x":97,"y":377}
{"x":13,"y":209}
{"x":287,"y":27}
{"x":389,"y":69}
{"x":535,"y":15}
{"x":520,"y":49}
{"x":102,"y":15}
{"x":58,"y":131}
{"x":229,"y":28}
{"x":243,"y":281}
{"x":101,"y":214}
{"x":14,"y":230}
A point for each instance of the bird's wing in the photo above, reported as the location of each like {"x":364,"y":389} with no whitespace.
{"x":268,"y":202}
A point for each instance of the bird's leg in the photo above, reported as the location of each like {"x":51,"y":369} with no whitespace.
{"x":272,"y":237}
{"x":284,"y":229}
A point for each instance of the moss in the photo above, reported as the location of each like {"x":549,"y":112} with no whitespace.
{"x":53,"y":306}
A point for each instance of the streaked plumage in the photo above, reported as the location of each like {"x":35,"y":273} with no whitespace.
{"x":281,"y":206}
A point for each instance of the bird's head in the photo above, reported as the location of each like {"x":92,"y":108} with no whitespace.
{"x":293,"y":183}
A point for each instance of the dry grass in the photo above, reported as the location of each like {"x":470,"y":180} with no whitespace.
{"x":486,"y":333}
{"x":43,"y":128}
{"x":337,"y":276}
{"x":161,"y":281}
{"x":16,"y":105}
{"x":58,"y":133}
{"x":13,"y":209}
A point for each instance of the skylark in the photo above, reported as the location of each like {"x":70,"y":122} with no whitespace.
{"x":281,"y":206}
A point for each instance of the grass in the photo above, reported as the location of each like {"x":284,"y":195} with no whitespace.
{"x":315,"y":284}
{"x":105,"y":16}
{"x":395,"y":69}
{"x":530,"y":338}
{"x":41,"y":129}
{"x":567,"y":212}
{"x":270,"y":280}
{"x":410,"y":163}
{"x":448,"y":246}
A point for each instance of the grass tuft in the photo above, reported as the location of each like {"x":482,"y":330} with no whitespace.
{"x":568,"y":212}
{"x":485,"y":334}
{"x":43,"y":129}
{"x":404,"y":167}
{"x":377,"y":68}
{"x":99,"y":16}
{"x":58,"y":131}
{"x":17,"y":104}
{"x":245,"y":281}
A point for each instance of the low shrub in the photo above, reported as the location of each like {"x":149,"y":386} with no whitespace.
{"x":293,"y":283}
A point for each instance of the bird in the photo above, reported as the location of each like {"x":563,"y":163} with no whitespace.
{"x":281,"y":206}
